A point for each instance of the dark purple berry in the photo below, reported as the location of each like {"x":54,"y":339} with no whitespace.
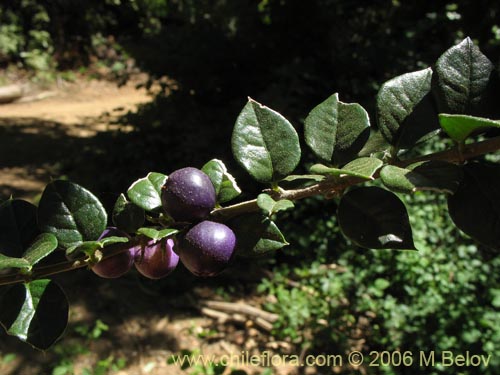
{"x":207,"y":248}
{"x":188,"y":195}
{"x":157,"y":260}
{"x":117,"y":265}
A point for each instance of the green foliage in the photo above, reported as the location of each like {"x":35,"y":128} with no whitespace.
{"x":265,"y":143}
{"x":35,"y":312}
{"x":375,"y":218}
{"x":336,"y":131}
{"x":146,"y":192}
{"x":443,"y":297}
{"x":225,"y":185}
{"x":71,"y":213}
{"x":460,"y":127}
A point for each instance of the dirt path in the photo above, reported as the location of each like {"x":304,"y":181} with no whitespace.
{"x":31,"y":133}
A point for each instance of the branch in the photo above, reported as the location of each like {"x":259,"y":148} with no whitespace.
{"x":52,"y":269}
{"x":327,"y":188}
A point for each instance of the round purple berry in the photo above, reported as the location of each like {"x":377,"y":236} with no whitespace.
{"x":156,"y":260}
{"x":207,"y":248}
{"x":117,"y":265}
{"x":188,"y":195}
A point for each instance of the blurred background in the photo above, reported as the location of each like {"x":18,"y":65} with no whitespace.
{"x":102,"y":92}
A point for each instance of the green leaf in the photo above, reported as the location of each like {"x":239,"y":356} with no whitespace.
{"x":463,"y":73}
{"x":364,"y":168}
{"x":475,"y":206}
{"x":224,"y":183}
{"x":89,"y":247}
{"x":146,"y":192}
{"x":36,"y":312}
{"x":264,"y":143}
{"x":256,"y":235}
{"x":43,"y":246}
{"x":18,"y":226}
{"x":376,"y":144}
{"x":336,"y":131}
{"x":312,"y":177}
{"x":320,"y":128}
{"x":70,"y":212}
{"x":375,"y":218}
{"x":269,"y":206}
{"x":459,"y":127}
{"x":10,"y":262}
{"x":434,"y":175}
{"x":396,"y":101}
{"x":128,"y":216}
{"x":157,"y":234}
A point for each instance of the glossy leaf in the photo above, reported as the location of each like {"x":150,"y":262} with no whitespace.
{"x":269,"y":206}
{"x":463,"y":73}
{"x":127,"y":216}
{"x":18,"y":227}
{"x":475,"y":206}
{"x":396,"y":101}
{"x":36,"y":312}
{"x":364,"y":168}
{"x":265,"y":143}
{"x":224,"y":183}
{"x":435,"y":175}
{"x":70,"y":212}
{"x":256,"y":235}
{"x":146,"y":192}
{"x":459,"y":127}
{"x":89,"y":247}
{"x":156,"y":234}
{"x":43,"y":246}
{"x":336,"y":131}
{"x":375,"y":218}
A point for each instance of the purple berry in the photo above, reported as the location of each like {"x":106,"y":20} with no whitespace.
{"x":188,"y":195}
{"x":117,"y":265}
{"x":157,"y":260}
{"x":207,"y":248}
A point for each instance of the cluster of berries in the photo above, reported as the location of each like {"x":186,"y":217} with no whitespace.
{"x":205,"y":248}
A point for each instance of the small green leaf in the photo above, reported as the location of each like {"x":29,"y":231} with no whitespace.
{"x":18,"y":226}
{"x":264,"y":143}
{"x":35,"y":312}
{"x":475,"y":206}
{"x":463,"y":74}
{"x":459,"y":127}
{"x":364,"y":168}
{"x":376,"y":144}
{"x":89,"y":247}
{"x":146,"y":192}
{"x":71,"y":213}
{"x":256,"y":235}
{"x":157,"y":234}
{"x":375,"y":218}
{"x":10,"y":262}
{"x":438,"y":176}
{"x":128,"y":216}
{"x":224,"y":183}
{"x":312,"y":177}
{"x":336,"y":131}
{"x":396,"y":101}
{"x":43,"y":246}
{"x":269,"y":206}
